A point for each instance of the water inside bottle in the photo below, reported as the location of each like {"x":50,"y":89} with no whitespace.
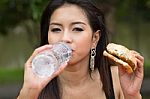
{"x":46,"y":63}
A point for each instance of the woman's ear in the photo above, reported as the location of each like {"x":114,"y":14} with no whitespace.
{"x":95,"y":39}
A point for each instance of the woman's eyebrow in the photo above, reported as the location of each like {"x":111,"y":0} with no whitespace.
{"x":53,"y":23}
{"x":78,"y":22}
{"x":73,"y":23}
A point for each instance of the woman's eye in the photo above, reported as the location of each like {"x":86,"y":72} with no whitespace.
{"x":55,"y":30}
{"x":78,"y":29}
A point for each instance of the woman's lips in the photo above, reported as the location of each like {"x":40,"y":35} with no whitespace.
{"x":73,"y":51}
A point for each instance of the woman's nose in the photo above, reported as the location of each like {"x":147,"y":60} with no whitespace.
{"x":66,"y":38}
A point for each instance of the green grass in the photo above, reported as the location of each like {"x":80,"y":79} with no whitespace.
{"x":10,"y":75}
{"x":15,"y":75}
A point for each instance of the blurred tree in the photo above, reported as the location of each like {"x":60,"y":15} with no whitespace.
{"x":132,"y":12}
{"x":135,"y":13}
{"x":129,"y":10}
{"x":14,"y":12}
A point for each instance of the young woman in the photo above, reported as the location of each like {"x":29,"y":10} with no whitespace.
{"x":81,"y":25}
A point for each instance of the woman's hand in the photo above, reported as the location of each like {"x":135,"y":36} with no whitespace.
{"x":34,"y":84}
{"x":131,"y":83}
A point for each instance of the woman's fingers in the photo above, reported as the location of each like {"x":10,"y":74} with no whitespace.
{"x":60,"y":69}
{"x":37,"y":51}
{"x":140,"y":64}
{"x":28,"y":64}
{"x":140,"y":61}
{"x":137,"y":55}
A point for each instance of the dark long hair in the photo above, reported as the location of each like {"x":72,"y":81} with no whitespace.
{"x":96,"y":21}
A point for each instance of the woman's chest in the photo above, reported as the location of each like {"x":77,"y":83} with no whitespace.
{"x":93,"y":91}
{"x":84,"y":95}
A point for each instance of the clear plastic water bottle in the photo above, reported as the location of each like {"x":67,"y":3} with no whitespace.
{"x":47,"y":62}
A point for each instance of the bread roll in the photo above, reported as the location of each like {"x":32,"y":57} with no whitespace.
{"x":121,"y":56}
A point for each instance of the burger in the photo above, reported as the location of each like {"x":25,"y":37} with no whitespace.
{"x":121,"y":55}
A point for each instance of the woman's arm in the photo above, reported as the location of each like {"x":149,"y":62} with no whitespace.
{"x":28,"y":93}
{"x":131,"y":83}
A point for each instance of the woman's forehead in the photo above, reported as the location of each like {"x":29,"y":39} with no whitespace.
{"x":69,"y":12}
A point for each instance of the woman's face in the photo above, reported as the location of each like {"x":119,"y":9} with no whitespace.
{"x":69,"y":24}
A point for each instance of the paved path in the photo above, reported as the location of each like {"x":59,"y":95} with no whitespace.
{"x":146,"y":87}
{"x":11,"y":91}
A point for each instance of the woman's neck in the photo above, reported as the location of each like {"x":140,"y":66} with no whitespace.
{"x":75,"y":78}
{"x":75,"y":75}
{"x":78,"y":78}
